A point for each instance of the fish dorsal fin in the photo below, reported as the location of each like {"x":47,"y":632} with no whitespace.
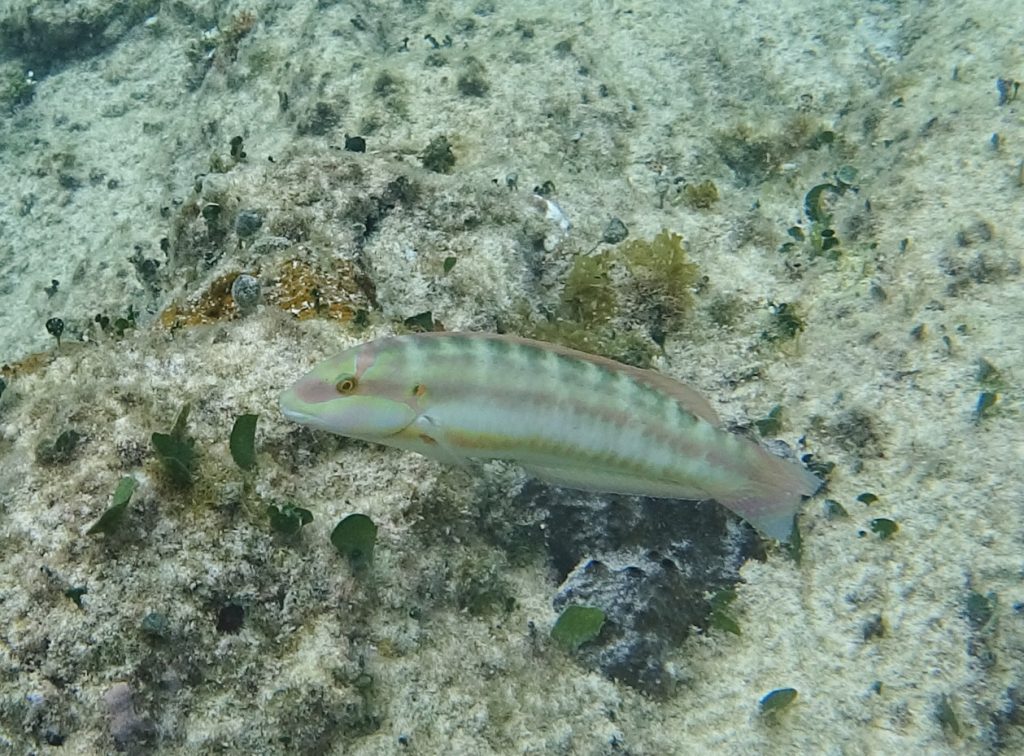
{"x":688,"y":398}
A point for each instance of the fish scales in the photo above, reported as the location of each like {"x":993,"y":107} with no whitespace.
{"x":565,"y":416}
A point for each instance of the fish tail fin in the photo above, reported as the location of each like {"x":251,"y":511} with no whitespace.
{"x":773,"y":495}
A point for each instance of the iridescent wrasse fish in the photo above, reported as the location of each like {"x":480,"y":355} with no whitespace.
{"x":570,"y":418}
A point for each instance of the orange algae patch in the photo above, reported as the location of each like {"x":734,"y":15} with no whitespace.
{"x":295,"y":286}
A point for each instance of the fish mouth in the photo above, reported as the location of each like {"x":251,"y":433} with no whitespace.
{"x":288,"y":402}
{"x":297,"y":416}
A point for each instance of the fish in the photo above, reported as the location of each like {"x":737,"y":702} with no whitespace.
{"x":570,"y":418}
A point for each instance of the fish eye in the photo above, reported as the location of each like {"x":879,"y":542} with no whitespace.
{"x":345,"y":385}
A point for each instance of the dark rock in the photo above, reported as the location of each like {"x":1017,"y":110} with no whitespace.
{"x":648,"y":564}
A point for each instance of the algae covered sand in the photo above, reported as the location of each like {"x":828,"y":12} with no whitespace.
{"x":811,"y":215}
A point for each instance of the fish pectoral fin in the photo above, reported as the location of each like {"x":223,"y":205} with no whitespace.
{"x":432,"y":434}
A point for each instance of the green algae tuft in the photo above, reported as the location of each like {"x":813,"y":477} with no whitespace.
{"x":577,"y":625}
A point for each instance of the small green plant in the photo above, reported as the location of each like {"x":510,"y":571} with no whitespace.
{"x":777,"y":701}
{"x":663,"y":272}
{"x":701,"y":196}
{"x":986,"y":401}
{"x":17,"y":88}
{"x":946,"y":716}
{"x":422,"y":323}
{"x":437,"y":156}
{"x":111,"y":519}
{"x":884,"y":527}
{"x":721,"y":619}
{"x":243,"y":441}
{"x":588,"y":297}
{"x":988,"y":375}
{"x":61,"y":450}
{"x":771,"y":425}
{"x":354,"y":538}
{"x":867,"y":498}
{"x":577,"y":625}
{"x":795,"y":547}
{"x":155,"y":626}
{"x":785,"y":323}
{"x":980,"y":608}
{"x":176,"y":451}
{"x":834,"y":510}
{"x":75,"y":593}
{"x":289,"y":519}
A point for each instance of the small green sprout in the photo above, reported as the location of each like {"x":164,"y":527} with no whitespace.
{"x":795,"y":547}
{"x":988,"y":374}
{"x":867,"y":498}
{"x":577,"y":625}
{"x":701,"y":196}
{"x":111,"y":519}
{"x":422,"y":322}
{"x":448,"y":264}
{"x":946,"y":716}
{"x":437,"y":156}
{"x":786,"y":322}
{"x":772,"y":424}
{"x":588,"y":296}
{"x":75,"y":593}
{"x":61,"y":450}
{"x":720,"y":617}
{"x":126,"y":322}
{"x":776,"y":701}
{"x":980,"y":609}
{"x":884,"y":527}
{"x":817,"y":202}
{"x":986,"y":401}
{"x":243,"y":441}
{"x":846,"y":175}
{"x":834,"y":510}
{"x":354,"y":538}
{"x":155,"y":625}
{"x":55,"y":327}
{"x":176,"y":451}
{"x":289,"y":519}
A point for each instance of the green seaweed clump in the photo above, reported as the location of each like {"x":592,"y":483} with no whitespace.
{"x":701,"y":196}
{"x":588,"y":296}
{"x":437,"y":156}
{"x":663,"y":280}
{"x":17,"y":88}
{"x":288,"y":519}
{"x":663,"y":272}
{"x":577,"y":625}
